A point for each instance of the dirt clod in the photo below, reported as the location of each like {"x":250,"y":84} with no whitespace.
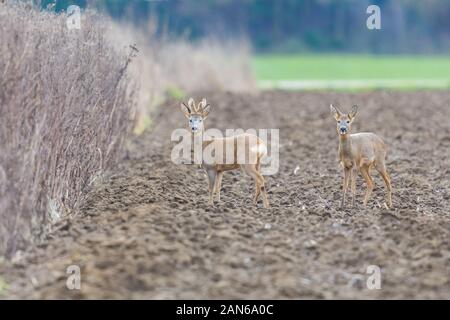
{"x":147,"y":231}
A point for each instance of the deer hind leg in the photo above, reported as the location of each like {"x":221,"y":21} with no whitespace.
{"x":262,"y":186}
{"x":365,"y":171}
{"x":381,"y":167}
{"x":252,"y":170}
{"x":218,"y":184}
{"x":257,"y":185}
{"x":212,"y":177}
{"x":264,"y":191}
{"x":257,"y":192}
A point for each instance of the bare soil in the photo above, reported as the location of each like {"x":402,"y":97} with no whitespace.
{"x":147,"y":232}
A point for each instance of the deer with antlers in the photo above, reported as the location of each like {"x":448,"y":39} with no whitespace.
{"x":253,"y":146}
{"x":362,"y":151}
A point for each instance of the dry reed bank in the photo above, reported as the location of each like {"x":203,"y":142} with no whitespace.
{"x":68,"y":99}
{"x":65,"y":104}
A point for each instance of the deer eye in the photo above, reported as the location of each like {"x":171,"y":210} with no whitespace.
{"x":348,"y":121}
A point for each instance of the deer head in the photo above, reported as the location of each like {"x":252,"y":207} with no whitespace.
{"x":196,"y":114}
{"x":344,"y":121}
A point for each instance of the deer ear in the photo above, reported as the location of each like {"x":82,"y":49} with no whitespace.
{"x":335,"y":112}
{"x":191,"y":103}
{"x":354,"y":111}
{"x":206,"y":110}
{"x":185,"y":109}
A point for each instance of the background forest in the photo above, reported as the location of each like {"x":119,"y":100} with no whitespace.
{"x":408,"y":26}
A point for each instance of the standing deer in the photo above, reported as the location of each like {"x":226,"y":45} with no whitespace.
{"x":361,"y":151}
{"x":253,"y":145}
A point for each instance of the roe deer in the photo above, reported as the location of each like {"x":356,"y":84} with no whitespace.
{"x":253,"y":145}
{"x":361,"y":151}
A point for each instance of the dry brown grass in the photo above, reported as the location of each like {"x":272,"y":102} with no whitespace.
{"x":67,"y":102}
{"x":65,"y":109}
{"x":208,"y":65}
{"x":176,"y":67}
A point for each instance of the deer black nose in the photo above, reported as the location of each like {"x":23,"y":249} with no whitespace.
{"x":343,"y":130}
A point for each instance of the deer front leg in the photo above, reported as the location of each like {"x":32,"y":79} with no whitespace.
{"x":345,"y":185}
{"x":218,"y":184}
{"x":212,"y":176}
{"x":353,"y":185}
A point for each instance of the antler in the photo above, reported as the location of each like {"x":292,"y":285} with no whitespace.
{"x":191,"y":104}
{"x":198,"y":108}
{"x":201,"y":108}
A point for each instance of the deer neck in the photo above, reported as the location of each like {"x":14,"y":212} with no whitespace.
{"x":197,"y":138}
{"x":345,"y":146}
{"x":199,"y":144}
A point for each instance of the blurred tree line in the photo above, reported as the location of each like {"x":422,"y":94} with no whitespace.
{"x":408,"y":26}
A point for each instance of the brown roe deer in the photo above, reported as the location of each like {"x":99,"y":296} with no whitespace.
{"x":250,"y":144}
{"x":360,"y":151}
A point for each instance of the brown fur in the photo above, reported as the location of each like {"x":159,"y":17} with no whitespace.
{"x":255,"y":148}
{"x":360,"y":151}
